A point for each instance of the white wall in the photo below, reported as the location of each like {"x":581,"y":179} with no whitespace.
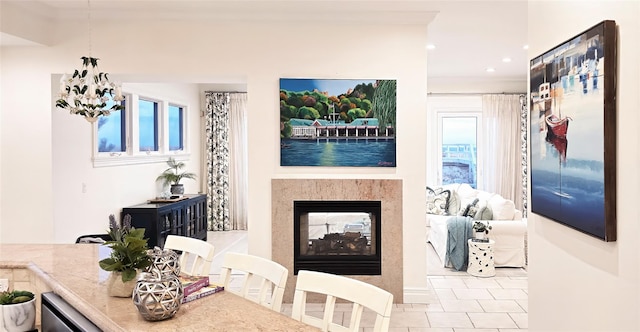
{"x":84,"y":196}
{"x":202,"y":53}
{"x":465,"y":85}
{"x":577,"y":282}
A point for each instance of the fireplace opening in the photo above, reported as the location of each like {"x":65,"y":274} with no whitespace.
{"x":340,"y":237}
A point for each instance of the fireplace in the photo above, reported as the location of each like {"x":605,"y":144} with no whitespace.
{"x":340,"y":237}
{"x":284,"y":194}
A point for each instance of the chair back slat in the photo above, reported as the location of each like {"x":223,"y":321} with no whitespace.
{"x":272,"y":278}
{"x":196,"y":257}
{"x":361,"y":294}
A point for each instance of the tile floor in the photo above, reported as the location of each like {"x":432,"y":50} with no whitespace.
{"x":463,"y":303}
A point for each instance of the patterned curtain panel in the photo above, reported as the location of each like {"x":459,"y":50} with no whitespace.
{"x":217,"y":140}
{"x":524,"y":130}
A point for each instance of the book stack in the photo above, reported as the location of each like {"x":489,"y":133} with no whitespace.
{"x":196,"y":287}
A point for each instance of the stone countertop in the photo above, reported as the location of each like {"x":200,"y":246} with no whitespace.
{"x":72,"y":272}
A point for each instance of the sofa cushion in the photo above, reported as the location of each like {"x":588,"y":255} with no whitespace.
{"x":466,"y":192}
{"x":501,"y":208}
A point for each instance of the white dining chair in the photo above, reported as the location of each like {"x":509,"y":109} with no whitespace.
{"x":271,"y":276}
{"x":196,"y":256}
{"x":359,"y":293}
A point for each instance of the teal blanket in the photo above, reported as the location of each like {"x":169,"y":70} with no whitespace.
{"x":459,"y":230}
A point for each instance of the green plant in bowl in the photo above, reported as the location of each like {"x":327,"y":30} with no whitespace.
{"x":172,"y":176}
{"x":15,"y":297}
{"x":128,"y":249}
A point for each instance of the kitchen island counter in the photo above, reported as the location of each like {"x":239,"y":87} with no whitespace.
{"x":72,"y":272}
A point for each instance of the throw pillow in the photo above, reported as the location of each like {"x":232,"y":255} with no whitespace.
{"x":484,"y":213}
{"x":437,"y":201}
{"x":455,"y":203}
{"x":482,"y":210}
{"x":470,"y":209}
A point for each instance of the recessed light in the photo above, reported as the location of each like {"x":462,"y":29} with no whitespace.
{"x":490,"y":70}
{"x":431,"y":46}
{"x":506,"y":59}
{"x":525,"y":47}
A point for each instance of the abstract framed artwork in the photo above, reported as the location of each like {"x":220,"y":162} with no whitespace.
{"x":573,"y":132}
{"x":337,"y":122}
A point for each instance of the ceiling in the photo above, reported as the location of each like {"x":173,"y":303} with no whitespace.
{"x":469,"y":36}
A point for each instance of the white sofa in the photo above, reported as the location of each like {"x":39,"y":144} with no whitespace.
{"x":509,"y":230}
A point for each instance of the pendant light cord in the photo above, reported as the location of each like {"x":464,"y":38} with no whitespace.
{"x":89,"y":23}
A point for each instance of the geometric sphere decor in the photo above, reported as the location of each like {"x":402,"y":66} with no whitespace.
{"x":162,"y":261}
{"x":158,"y":298}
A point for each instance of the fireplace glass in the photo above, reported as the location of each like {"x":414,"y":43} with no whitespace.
{"x":337,"y":236}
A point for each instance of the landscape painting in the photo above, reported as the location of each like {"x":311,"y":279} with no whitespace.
{"x":337,"y":122}
{"x":573,"y":132}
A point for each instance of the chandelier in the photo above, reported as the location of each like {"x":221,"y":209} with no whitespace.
{"x":88,"y":90}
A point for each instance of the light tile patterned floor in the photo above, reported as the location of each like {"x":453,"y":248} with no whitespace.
{"x":463,"y":303}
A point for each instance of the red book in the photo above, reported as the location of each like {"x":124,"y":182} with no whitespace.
{"x":191,"y":284}
{"x":202,"y":292}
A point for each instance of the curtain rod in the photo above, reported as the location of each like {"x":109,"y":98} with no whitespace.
{"x":476,"y":93}
{"x":225,"y":91}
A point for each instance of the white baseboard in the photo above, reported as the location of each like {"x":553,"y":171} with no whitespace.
{"x":419,"y":295}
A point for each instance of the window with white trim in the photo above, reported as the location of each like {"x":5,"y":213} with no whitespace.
{"x":147,"y":125}
{"x":112,"y":136}
{"x":149,"y":129}
{"x":176,"y":128}
{"x":454,"y":144}
{"x":458,"y":140}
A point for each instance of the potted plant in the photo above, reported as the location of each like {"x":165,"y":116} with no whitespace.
{"x":481,"y":229}
{"x":17,"y":311}
{"x":128,"y":255}
{"x":173,"y":176}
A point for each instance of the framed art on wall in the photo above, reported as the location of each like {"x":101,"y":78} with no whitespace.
{"x":337,"y":122}
{"x":573,"y":132}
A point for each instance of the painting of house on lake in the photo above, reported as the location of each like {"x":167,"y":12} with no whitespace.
{"x":337,"y":122}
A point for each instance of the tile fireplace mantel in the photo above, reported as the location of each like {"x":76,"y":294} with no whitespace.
{"x":285,"y":191}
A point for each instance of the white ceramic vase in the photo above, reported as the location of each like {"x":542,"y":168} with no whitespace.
{"x":18,"y":317}
{"x":480,"y":235}
{"x":117,"y":288}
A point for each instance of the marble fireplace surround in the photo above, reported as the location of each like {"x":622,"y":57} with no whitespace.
{"x":285,"y":191}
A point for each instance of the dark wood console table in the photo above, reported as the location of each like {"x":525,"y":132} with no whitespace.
{"x":186,"y":217}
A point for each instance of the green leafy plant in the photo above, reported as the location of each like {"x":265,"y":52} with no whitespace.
{"x":15,"y":296}
{"x":128,"y":249}
{"x":172,"y":175}
{"x":479,"y":226}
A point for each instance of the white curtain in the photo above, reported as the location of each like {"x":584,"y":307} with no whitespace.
{"x":238,"y":173}
{"x":225,"y":160}
{"x":502,"y":156}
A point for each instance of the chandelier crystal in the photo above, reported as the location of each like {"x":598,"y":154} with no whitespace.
{"x":88,"y":90}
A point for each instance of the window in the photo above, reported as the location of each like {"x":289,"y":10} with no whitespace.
{"x":111,"y":130}
{"x":150,"y":129}
{"x":176,"y":128}
{"x":459,"y":145}
{"x":455,"y":141}
{"x":148,"y":125}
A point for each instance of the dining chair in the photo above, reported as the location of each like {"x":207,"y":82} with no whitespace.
{"x":360,"y":294}
{"x":196,"y":256}
{"x":93,"y":238}
{"x":272,"y":278}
